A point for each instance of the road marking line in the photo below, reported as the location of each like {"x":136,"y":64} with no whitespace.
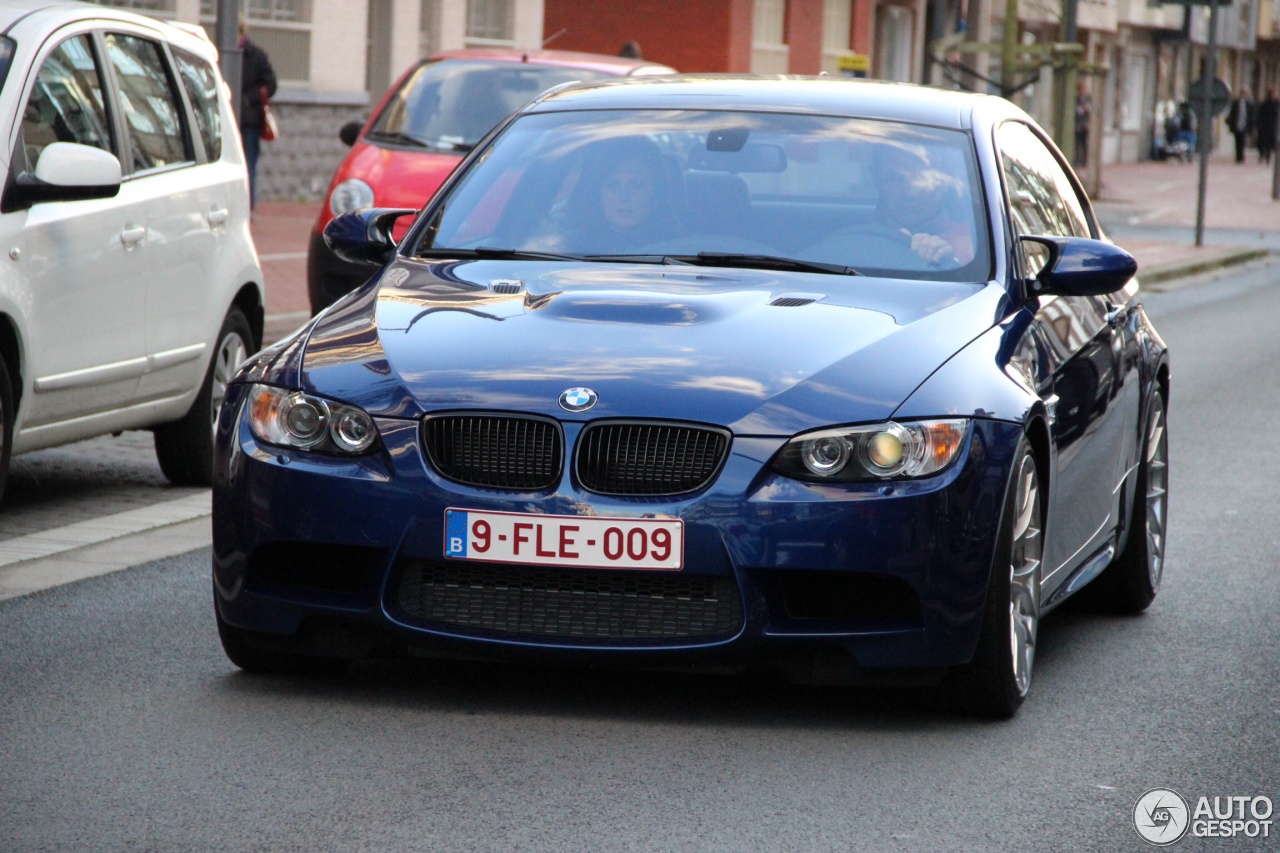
{"x":283,"y":256}
{"x":46,"y":543}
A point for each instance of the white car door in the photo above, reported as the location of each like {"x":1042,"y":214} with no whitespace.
{"x":182,"y":215}
{"x":84,"y":262}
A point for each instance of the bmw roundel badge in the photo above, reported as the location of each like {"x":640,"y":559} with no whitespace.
{"x":578,"y":399}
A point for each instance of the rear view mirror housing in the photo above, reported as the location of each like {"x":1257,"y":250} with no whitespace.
{"x":364,"y":236}
{"x":1079,"y":266}
{"x":68,"y":171}
{"x":350,"y":132}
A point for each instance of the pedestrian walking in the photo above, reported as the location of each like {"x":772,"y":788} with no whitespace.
{"x":1240,"y":119}
{"x":1268,"y":116}
{"x":257,"y":85}
{"x":1084,"y":112}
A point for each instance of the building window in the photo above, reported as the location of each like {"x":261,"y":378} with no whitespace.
{"x":158,"y":8}
{"x":837,"y":25}
{"x":490,"y":22}
{"x":280,"y":27}
{"x":769,"y":51}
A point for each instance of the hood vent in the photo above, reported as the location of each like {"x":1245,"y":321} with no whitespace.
{"x":795,"y":300}
{"x":506,"y":285}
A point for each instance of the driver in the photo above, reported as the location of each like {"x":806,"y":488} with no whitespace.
{"x":924,"y":204}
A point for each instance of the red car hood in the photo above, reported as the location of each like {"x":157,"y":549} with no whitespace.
{"x":399,"y":177}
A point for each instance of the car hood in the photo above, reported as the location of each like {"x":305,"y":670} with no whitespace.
{"x":760,"y":352}
{"x":399,"y":177}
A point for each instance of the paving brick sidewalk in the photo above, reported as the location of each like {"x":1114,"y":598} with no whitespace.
{"x":1151,"y":193}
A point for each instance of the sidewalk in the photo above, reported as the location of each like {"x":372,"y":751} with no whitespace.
{"x":1150,"y":209}
{"x":1154,"y":198}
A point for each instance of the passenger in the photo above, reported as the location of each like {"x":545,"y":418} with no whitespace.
{"x":623,"y":200}
{"x":924,"y":204}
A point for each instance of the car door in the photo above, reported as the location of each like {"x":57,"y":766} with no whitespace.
{"x":84,"y":262}
{"x":165,"y":174}
{"x":1084,"y":348}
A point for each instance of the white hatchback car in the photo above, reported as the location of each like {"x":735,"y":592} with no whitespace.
{"x":130,"y":289}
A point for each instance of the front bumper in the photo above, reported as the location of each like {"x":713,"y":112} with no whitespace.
{"x":318,"y":554}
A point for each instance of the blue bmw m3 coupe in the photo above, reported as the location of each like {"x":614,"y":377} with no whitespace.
{"x":823,"y":375}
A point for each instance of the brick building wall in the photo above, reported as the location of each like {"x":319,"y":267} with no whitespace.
{"x":688,"y":35}
{"x":692,"y":35}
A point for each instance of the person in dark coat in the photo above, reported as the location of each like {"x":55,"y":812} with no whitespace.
{"x":1240,"y":120}
{"x":1268,"y":116}
{"x":257,"y":82}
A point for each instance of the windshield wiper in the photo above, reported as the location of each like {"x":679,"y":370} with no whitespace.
{"x":637,"y":259}
{"x":734,"y":259}
{"x":495,"y":254}
{"x":397,"y":136}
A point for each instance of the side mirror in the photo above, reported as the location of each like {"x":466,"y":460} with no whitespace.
{"x":350,"y":132}
{"x":1078,"y":266}
{"x":68,"y":171}
{"x":364,"y":236}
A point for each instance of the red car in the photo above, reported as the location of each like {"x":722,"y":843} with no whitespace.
{"x":425,"y":125}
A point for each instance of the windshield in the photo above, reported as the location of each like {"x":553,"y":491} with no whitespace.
{"x":451,"y":104}
{"x":725,"y":188}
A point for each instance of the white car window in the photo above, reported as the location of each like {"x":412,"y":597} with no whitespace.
{"x":150,"y":104}
{"x":66,"y":104}
{"x":201,"y":84}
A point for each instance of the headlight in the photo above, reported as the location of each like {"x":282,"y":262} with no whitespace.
{"x":351,"y":194}
{"x":888,"y":451}
{"x":293,"y":419}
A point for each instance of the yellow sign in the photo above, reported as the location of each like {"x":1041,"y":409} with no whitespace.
{"x":855,"y":63}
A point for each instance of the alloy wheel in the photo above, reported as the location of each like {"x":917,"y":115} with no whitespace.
{"x":1157,"y":447}
{"x":1024,"y":574}
{"x":231,"y":354}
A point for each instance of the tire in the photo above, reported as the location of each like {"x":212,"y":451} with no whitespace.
{"x":1131,"y":582}
{"x":8,"y":415}
{"x":997,"y":680}
{"x":244,"y":653}
{"x":184,"y":448}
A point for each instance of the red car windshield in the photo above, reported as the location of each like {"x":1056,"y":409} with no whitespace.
{"x":450,"y":104}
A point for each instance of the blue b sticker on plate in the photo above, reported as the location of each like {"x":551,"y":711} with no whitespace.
{"x":455,"y":534}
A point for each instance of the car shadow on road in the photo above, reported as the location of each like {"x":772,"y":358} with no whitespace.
{"x":751,"y":699}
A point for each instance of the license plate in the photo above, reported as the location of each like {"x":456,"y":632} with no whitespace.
{"x":652,"y":544}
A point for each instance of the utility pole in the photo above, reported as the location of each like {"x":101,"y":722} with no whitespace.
{"x":1205,"y":130}
{"x":1065,"y":84}
{"x":230,"y":57}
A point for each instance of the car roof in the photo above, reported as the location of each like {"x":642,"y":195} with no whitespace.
{"x":840,"y":96}
{"x":48,"y":15}
{"x":613,"y":65}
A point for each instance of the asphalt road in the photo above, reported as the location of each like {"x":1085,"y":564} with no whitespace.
{"x":122,"y":727}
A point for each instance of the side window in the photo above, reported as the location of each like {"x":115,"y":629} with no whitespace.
{"x":201,"y":84}
{"x":1042,"y":199}
{"x":149,"y":102}
{"x":66,"y":104}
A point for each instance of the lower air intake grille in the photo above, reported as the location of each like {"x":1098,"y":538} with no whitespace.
{"x":649,"y":458}
{"x":573,"y":605}
{"x":495,"y":451}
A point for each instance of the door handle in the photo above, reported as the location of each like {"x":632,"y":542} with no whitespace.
{"x":132,"y":236}
{"x":219,"y":216}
